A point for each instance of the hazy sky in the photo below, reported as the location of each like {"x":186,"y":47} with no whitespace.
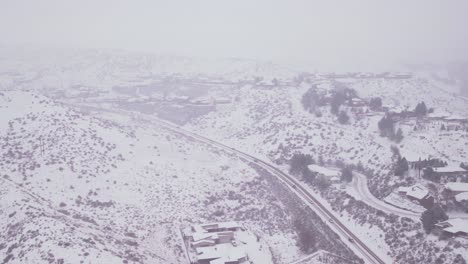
{"x":324,"y":32}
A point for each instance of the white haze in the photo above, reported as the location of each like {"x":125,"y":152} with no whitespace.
{"x":328,"y":34}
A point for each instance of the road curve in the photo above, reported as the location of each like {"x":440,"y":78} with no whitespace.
{"x":359,"y":184}
{"x":293,"y":184}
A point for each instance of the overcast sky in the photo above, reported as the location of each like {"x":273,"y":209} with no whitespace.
{"x":324,"y":32}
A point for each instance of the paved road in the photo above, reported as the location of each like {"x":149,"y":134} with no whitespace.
{"x":294,"y":185}
{"x":359,"y":184}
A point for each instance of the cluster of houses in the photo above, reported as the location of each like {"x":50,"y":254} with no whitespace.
{"x":456,"y":191}
{"x":221,"y":243}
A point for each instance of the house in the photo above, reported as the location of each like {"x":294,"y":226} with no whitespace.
{"x":219,"y":243}
{"x":418,"y":194}
{"x":455,"y":188}
{"x":454,"y":227}
{"x":450,"y":171}
{"x":331,"y":173}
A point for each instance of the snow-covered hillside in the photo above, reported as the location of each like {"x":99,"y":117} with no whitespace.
{"x":106,"y":186}
{"x":75,"y":188}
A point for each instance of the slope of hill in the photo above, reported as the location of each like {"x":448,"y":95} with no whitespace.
{"x":75,"y":188}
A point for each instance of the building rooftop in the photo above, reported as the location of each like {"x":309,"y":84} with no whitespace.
{"x":325,"y":171}
{"x":457,"y":186}
{"x":220,"y":251}
{"x":417,"y":191}
{"x":461,"y":197}
{"x":455,"y":225}
{"x":452,"y":168}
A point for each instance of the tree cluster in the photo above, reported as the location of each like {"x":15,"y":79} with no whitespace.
{"x":387,"y":129}
{"x":343,"y":117}
{"x":430,"y":174}
{"x":299,"y":162}
{"x":421,"y":164}
{"x":432,"y":216}
{"x":337,"y":99}
{"x":464,"y":166}
{"x":346,"y":174}
{"x":401,"y":166}
{"x":322,"y":182}
{"x":375,"y":103}
{"x":307,"y":242}
{"x":312,"y":99}
{"x":421,"y":109}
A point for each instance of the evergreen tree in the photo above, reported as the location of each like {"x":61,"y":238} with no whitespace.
{"x":338,"y":98}
{"x":421,"y":109}
{"x":343,"y":117}
{"x":346,"y":174}
{"x":308,"y":175}
{"x":430,"y":174}
{"x":299,"y":162}
{"x":387,"y":127}
{"x":375,"y":103}
{"x":322,"y":182}
{"x":401,"y":166}
{"x":399,"y":135}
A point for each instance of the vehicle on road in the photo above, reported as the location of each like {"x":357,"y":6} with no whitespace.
{"x":351,"y":240}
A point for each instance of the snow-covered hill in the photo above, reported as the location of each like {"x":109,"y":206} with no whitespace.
{"x":76,"y":188}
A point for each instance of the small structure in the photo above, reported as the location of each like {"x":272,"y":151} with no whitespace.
{"x":454,"y":227}
{"x":356,"y":102}
{"x":418,"y":194}
{"x":331,"y":173}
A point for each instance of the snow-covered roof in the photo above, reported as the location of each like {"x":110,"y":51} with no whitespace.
{"x":203,"y":242}
{"x":461,"y":197}
{"x":325,"y":171}
{"x":224,"y":252}
{"x":197,"y":236}
{"x":230,"y":224}
{"x":417,"y":191}
{"x":457,"y":186}
{"x":450,"y":168}
{"x":456,"y":118}
{"x":455,"y":225}
{"x":201,"y":231}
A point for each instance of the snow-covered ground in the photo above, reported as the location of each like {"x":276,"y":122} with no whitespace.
{"x":78,"y":188}
{"x":85,"y":174}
